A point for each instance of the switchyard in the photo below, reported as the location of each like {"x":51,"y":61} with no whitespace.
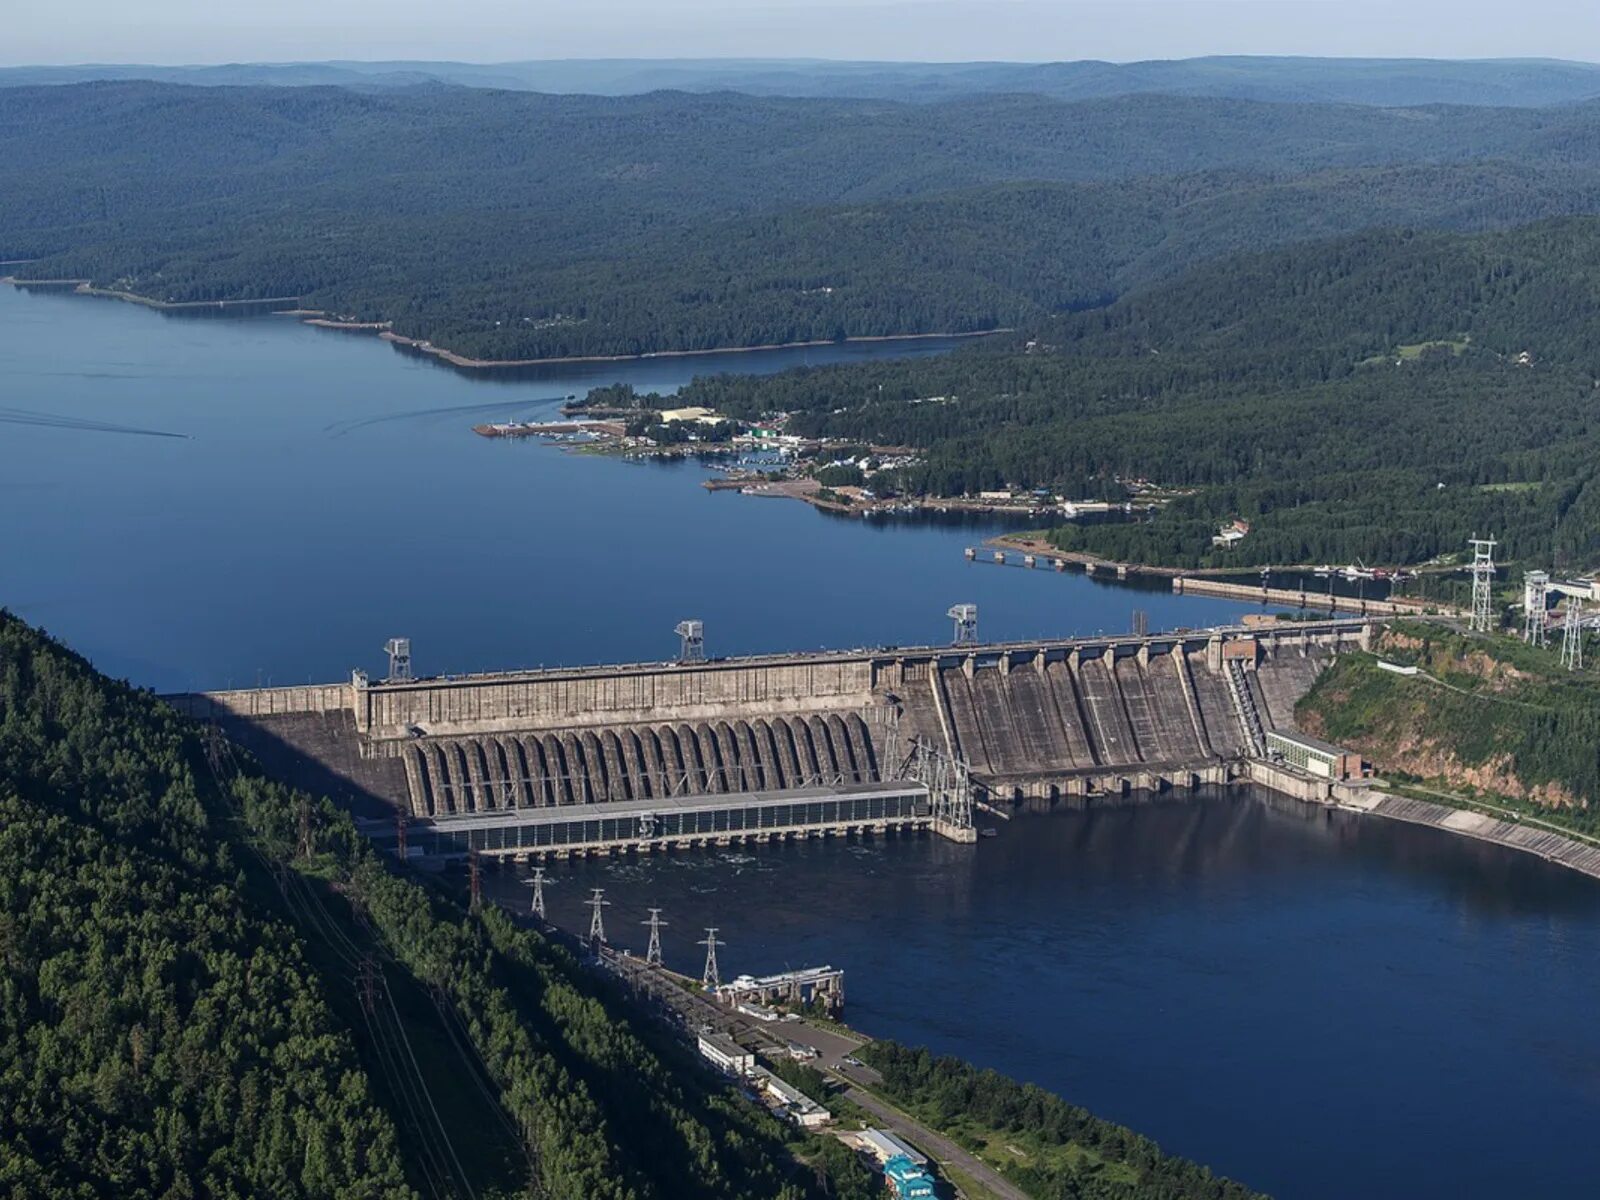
{"x":696,"y":752}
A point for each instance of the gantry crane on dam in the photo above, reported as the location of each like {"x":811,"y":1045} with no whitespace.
{"x":719,"y":751}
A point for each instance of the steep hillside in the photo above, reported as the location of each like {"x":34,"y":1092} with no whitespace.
{"x":214,"y":988}
{"x":1486,"y":715}
{"x":158,"y":1037}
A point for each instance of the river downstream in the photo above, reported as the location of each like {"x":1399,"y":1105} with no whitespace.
{"x":1323,"y":1005}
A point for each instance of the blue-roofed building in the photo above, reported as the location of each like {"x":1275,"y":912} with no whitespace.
{"x":909,"y":1181}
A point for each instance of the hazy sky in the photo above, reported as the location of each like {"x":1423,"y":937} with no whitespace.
{"x":193,"y":31}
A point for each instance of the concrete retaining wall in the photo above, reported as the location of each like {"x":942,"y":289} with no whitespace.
{"x":551,"y":700}
{"x":265,"y":702}
{"x":1549,"y":845}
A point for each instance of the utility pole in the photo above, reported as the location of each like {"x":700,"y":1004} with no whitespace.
{"x":1482,"y":569}
{"x":709,"y":976}
{"x":537,"y":884}
{"x":475,"y":880}
{"x":1535,"y":599}
{"x":1572,"y":635}
{"x":652,"y":955}
{"x":400,"y":836}
{"x":367,"y":985}
{"x":597,"y":921}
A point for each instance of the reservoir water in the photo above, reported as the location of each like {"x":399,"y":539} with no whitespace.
{"x":326,"y":492}
{"x":1324,"y":1007}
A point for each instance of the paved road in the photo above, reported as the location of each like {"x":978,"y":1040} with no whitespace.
{"x":941,"y":1148}
{"x":696,"y":1010}
{"x":830,"y":1046}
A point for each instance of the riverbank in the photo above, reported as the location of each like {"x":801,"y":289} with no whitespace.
{"x":460,"y":360}
{"x":1528,"y":835}
{"x":384,"y":329}
{"x":1482,"y":820}
{"x":84,"y":287}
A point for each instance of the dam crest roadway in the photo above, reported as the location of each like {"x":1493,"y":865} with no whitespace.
{"x":552,"y":762}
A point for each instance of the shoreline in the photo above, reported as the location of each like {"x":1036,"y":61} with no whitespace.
{"x":1221,"y":582}
{"x":85,"y":287}
{"x":1527,"y":835}
{"x":384,"y":329}
{"x":489,"y":364}
{"x":1521,"y":833}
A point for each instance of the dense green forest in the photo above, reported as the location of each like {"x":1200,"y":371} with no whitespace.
{"x":1489,"y":716}
{"x":1356,"y":398}
{"x":215,"y":987}
{"x":506,"y":225}
{"x":1076,"y":1156}
{"x":159,"y":1038}
{"x":186,"y":945}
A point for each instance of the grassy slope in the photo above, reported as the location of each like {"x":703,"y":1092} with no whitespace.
{"x":1490,"y":716}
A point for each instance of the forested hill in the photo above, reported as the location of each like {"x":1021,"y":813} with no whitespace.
{"x":203,"y":1000}
{"x":513,"y":225}
{"x":1361,"y":398}
{"x":1004,"y":256}
{"x":214,"y":987}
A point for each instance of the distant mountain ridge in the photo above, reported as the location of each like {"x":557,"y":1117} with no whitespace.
{"x":1369,"y":81}
{"x":506,"y":225}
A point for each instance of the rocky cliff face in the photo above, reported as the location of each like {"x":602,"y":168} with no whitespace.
{"x":1481,"y":715}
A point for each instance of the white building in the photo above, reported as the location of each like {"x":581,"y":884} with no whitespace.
{"x":883,"y":1146}
{"x":795,"y":1104}
{"x":695,"y":414}
{"x":727,"y":1054}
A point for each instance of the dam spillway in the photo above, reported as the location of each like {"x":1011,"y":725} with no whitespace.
{"x":1048,"y":719}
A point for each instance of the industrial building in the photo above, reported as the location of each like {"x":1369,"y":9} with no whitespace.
{"x":692,"y":415}
{"x":906,"y":1179}
{"x":1314,"y":756}
{"x":727,"y":1054}
{"x":791,"y":1101}
{"x":884,"y":1146}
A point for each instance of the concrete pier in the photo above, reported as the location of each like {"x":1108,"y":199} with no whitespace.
{"x":822,"y":986}
{"x":1302,"y":600}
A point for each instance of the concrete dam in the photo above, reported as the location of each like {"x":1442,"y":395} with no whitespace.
{"x":548,"y":761}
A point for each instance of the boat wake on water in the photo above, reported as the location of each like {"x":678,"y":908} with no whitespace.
{"x":340,"y":428}
{"x":23,"y":416}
